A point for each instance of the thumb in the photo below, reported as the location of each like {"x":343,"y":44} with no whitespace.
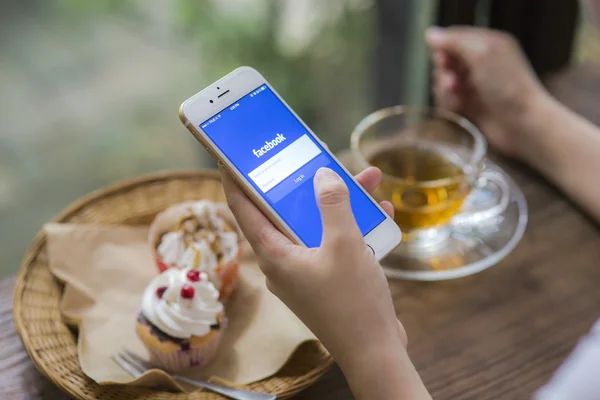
{"x":333,"y":199}
{"x":466,"y":43}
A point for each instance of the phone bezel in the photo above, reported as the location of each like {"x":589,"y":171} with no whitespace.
{"x":205,"y":104}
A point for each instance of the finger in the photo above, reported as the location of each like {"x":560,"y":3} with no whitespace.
{"x":447,"y":99}
{"x":449,"y":80}
{"x":449,"y":90}
{"x":456,"y":65}
{"x":440,"y":59}
{"x":388,"y":208}
{"x":452,"y":76}
{"x":333,"y":199}
{"x":466,"y":43}
{"x":369,"y":179}
{"x":266,"y":240}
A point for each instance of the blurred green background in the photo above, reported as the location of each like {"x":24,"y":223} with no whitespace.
{"x":89,"y":90}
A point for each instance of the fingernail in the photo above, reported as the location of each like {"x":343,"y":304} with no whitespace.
{"x":434,"y":33}
{"x":324,"y":175}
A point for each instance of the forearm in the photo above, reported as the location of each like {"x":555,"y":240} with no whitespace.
{"x":383,"y":373}
{"x":565,"y":148}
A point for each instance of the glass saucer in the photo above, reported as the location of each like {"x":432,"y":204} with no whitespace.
{"x":465,"y":246}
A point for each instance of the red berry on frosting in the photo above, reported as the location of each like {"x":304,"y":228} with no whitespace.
{"x":160,"y":291}
{"x":193,"y":275}
{"x":187,"y":292}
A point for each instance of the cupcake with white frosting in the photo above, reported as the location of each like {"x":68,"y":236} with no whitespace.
{"x":200,"y":235}
{"x":182,"y":320}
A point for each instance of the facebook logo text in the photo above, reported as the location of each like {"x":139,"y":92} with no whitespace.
{"x":268,"y":145}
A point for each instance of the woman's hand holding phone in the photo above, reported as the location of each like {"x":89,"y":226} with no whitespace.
{"x":338,"y":289}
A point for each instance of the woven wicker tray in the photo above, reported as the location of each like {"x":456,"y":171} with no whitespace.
{"x":52,"y":345}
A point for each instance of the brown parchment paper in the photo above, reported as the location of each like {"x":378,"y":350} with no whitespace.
{"x":105,"y":270}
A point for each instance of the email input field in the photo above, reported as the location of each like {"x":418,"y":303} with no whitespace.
{"x":284,"y":163}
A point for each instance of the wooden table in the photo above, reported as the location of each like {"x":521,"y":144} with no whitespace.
{"x":496,"y":335}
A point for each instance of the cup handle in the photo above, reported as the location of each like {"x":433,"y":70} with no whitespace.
{"x":488,"y":199}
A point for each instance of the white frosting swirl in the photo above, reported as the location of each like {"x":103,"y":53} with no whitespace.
{"x":229,"y":245}
{"x":200,"y":254}
{"x":171,"y":247}
{"x":208,"y":214}
{"x":177,"y":316}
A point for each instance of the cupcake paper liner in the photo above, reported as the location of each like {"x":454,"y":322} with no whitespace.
{"x":175,"y":354}
{"x":183,"y":359}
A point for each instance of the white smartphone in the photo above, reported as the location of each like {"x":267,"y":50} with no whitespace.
{"x":273,"y":156}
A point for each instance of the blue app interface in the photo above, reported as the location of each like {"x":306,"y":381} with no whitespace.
{"x":279,"y":157}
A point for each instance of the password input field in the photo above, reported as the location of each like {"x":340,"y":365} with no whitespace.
{"x":284,"y":163}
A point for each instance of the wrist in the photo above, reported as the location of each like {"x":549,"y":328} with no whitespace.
{"x":530,"y":128}
{"x":384,"y":370}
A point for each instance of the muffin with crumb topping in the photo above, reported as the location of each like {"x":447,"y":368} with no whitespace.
{"x":202,"y":236}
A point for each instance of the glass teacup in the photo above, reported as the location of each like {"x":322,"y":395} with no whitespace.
{"x":432,"y":161}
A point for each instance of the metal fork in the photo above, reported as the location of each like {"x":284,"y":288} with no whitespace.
{"x":135,"y":366}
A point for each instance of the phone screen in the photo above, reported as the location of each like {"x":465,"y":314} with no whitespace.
{"x":279,"y":157}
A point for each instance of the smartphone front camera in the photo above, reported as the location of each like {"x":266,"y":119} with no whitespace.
{"x":211,"y":101}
